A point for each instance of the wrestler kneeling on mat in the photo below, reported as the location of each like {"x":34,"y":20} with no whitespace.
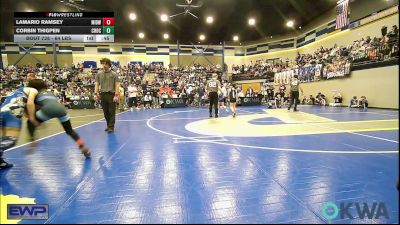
{"x":50,"y":108}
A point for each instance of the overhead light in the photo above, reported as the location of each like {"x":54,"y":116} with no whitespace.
{"x":132,"y":16}
{"x":236,"y":38}
{"x":271,"y":37}
{"x":300,"y":27}
{"x":141,"y":35}
{"x":252,"y":21}
{"x":210,"y":19}
{"x":202,"y":37}
{"x":240,"y":43}
{"x":290,"y":23}
{"x":164,"y":17}
{"x":166,"y":36}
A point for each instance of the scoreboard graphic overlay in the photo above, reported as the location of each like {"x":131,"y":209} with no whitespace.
{"x":63,"y":27}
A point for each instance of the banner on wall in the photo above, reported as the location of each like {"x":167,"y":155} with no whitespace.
{"x":335,"y":70}
{"x":135,"y":62}
{"x":305,"y":74}
{"x":157,"y":63}
{"x":89,"y":64}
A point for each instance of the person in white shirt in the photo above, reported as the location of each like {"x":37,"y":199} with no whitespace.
{"x":164,"y":97}
{"x":132,"y":94}
{"x":175,"y":94}
{"x":147,"y":100}
{"x":65,"y":75}
{"x":189,"y":89}
{"x":224,"y":97}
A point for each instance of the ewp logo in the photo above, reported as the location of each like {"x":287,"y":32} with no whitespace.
{"x":31,"y":212}
{"x":331,"y":211}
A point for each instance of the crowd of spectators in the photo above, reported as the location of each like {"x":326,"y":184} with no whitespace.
{"x":364,"y":49}
{"x":75,"y":83}
{"x":151,"y":83}
{"x":145,"y":86}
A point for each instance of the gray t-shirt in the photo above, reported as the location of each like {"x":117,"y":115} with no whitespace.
{"x":107,"y":81}
{"x":294,"y":85}
{"x":213,"y":85}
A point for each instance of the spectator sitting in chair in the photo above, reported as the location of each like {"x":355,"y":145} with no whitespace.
{"x":364,"y":102}
{"x":320,"y":99}
{"x":303,"y":102}
{"x":337,"y":97}
{"x":312,"y":99}
{"x":354,"y":102}
{"x":308,"y":101}
{"x":393,"y":34}
{"x":164,"y":97}
{"x":175,"y":94}
{"x":147,"y":100}
{"x":278,"y":99}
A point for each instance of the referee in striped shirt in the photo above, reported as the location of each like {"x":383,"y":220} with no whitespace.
{"x":212,"y":88}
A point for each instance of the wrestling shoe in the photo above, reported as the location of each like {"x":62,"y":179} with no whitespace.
{"x":85,"y":151}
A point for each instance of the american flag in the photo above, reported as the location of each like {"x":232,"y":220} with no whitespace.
{"x":342,"y":14}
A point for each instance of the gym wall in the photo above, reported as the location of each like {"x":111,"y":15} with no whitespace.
{"x":379,"y":85}
{"x":46,"y":59}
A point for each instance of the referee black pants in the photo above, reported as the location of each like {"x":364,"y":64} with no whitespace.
{"x":213,"y":101}
{"x":109,"y":107}
{"x":294,"y":99}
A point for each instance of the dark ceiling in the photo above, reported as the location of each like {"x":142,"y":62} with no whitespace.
{"x":230,"y":17}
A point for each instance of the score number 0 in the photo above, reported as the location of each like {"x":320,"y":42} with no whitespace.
{"x":108,"y":21}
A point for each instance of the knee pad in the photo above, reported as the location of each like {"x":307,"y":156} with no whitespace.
{"x":7,"y":142}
